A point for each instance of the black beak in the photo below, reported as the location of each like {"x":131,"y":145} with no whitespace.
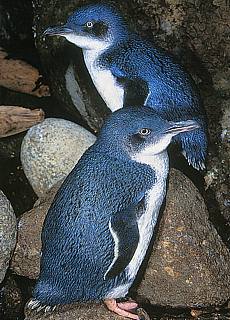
{"x":57,"y":31}
{"x":182,"y":126}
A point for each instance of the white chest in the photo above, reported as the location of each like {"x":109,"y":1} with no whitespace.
{"x":111,"y":92}
{"x":148,"y":220}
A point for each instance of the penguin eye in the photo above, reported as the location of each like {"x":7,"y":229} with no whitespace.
{"x":89,"y":24}
{"x":144,"y":132}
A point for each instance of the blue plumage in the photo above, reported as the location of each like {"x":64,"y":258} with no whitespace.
{"x":128,"y":70}
{"x":101,"y":221}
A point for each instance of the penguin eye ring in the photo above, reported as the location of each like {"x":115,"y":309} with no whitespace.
{"x":144,"y":132}
{"x":89,"y":24}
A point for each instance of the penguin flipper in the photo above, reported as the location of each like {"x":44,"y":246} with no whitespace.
{"x":135,"y":89}
{"x":124,"y":230}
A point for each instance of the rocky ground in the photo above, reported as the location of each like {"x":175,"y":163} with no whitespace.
{"x":187,"y":274}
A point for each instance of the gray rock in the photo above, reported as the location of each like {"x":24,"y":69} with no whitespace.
{"x":188,"y":266}
{"x":7,"y":233}
{"x":51,"y":149}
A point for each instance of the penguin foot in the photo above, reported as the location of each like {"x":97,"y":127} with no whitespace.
{"x":127,"y":305}
{"x":122,"y":308}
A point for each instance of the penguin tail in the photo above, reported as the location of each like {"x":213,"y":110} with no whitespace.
{"x":194,"y":148}
{"x":36,"y":305}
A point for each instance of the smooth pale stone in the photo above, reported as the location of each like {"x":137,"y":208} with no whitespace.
{"x":51,"y":149}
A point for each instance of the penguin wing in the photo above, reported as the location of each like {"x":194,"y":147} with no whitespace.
{"x":124,"y":230}
{"x":135,"y":89}
{"x":152,"y":76}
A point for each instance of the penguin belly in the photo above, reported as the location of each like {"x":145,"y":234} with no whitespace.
{"x":148,"y":219}
{"x":146,"y":225}
{"x":148,"y":212}
{"x":107,"y":86}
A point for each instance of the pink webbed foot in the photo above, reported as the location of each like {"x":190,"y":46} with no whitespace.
{"x":122,"y":308}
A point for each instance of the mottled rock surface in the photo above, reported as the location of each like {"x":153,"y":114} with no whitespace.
{"x":189,"y":264}
{"x":80,"y":312}
{"x":7,"y":233}
{"x":11,"y":303}
{"x":26,"y":258}
{"x":51,"y":149}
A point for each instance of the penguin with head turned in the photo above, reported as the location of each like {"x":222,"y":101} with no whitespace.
{"x":126,"y":70}
{"x":99,"y":226}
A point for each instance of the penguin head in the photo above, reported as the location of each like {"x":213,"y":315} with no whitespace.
{"x":92,"y":27}
{"x":140,"y":130}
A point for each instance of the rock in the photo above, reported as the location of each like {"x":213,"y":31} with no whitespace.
{"x":51,"y":149}
{"x":16,"y":27}
{"x":217,"y":175}
{"x":189,"y":264}
{"x":26,"y":259}
{"x":12,"y":303}
{"x":7,"y":233}
{"x":79,"y":312}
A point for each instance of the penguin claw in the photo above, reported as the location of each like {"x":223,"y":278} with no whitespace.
{"x":33,"y":304}
{"x":40,"y":308}
{"x":36,"y":304}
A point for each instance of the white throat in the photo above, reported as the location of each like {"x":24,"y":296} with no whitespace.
{"x":159,"y":162}
{"x":87,"y":43}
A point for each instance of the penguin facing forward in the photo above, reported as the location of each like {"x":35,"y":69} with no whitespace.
{"x":99,"y":226}
{"x":128,"y":70}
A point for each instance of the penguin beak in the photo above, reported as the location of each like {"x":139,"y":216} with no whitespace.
{"x":182,"y":126}
{"x":57,"y":31}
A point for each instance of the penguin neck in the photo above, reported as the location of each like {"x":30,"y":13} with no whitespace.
{"x":116,"y":151}
{"x":159,"y":162}
{"x":93,"y":52}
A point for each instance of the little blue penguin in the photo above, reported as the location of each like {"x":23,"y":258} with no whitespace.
{"x":100,"y":224}
{"x":127,"y":70}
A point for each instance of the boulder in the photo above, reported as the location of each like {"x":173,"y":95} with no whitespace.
{"x":188,"y":266}
{"x":51,"y":149}
{"x":26,"y":259}
{"x":8,"y":233}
